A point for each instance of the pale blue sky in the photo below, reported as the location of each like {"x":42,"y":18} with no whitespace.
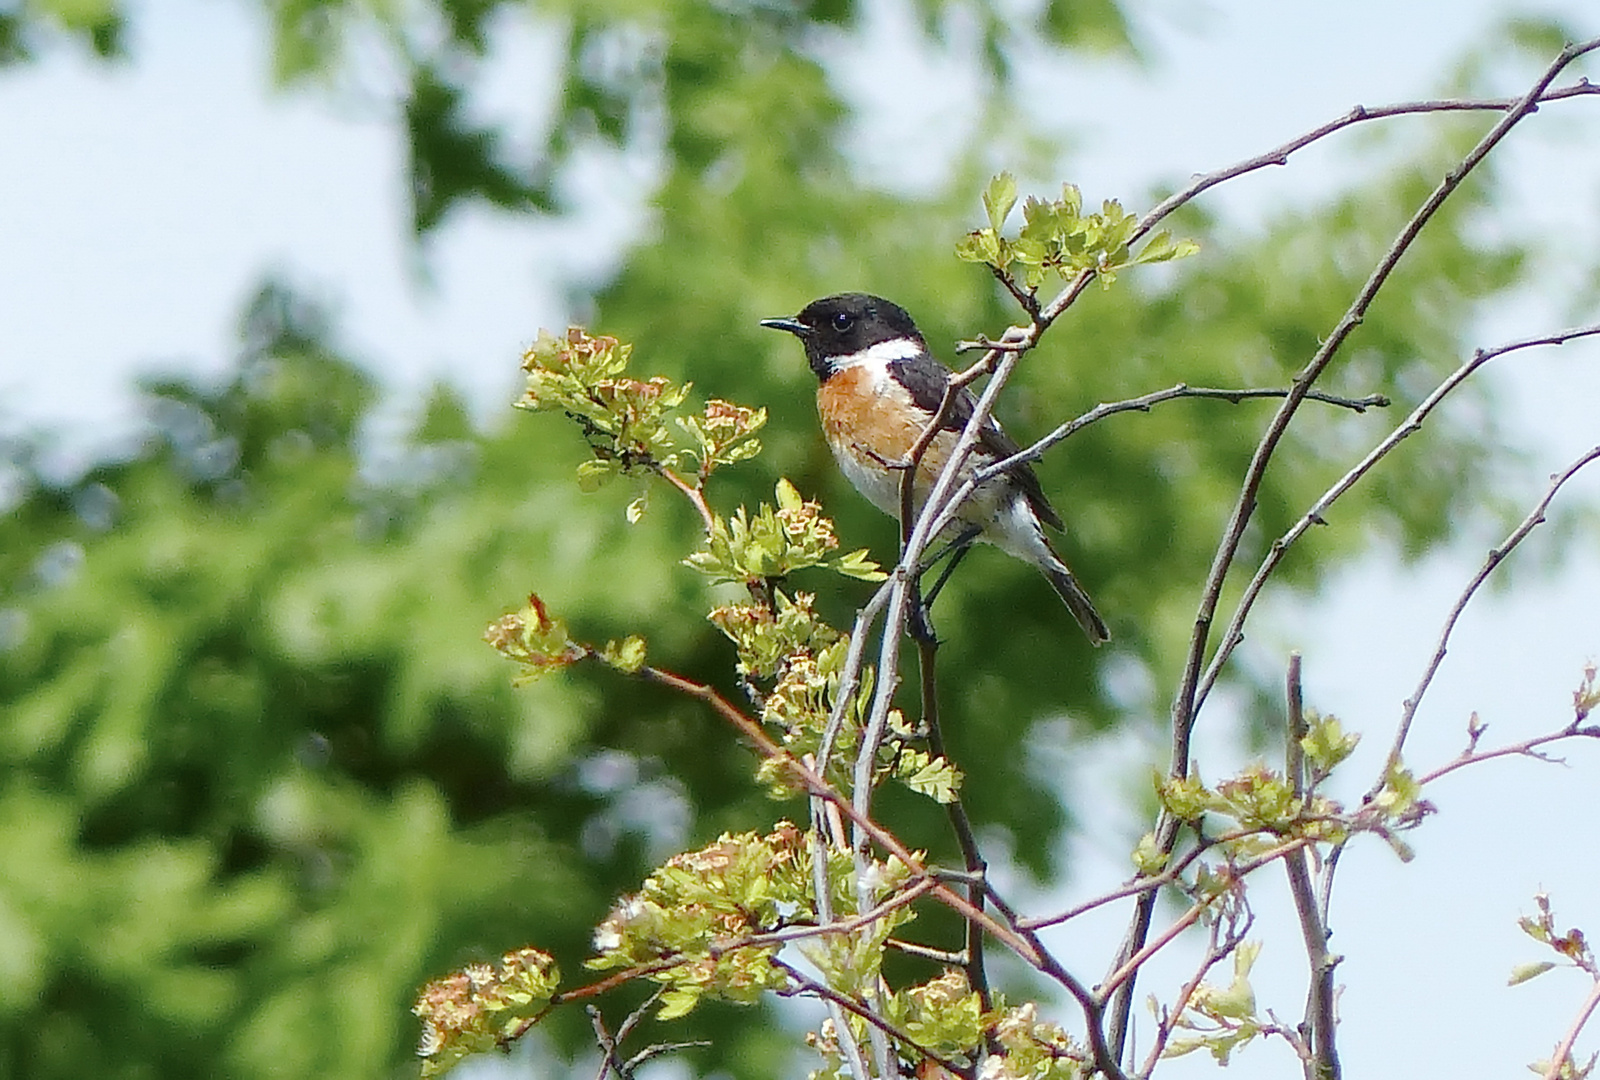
{"x":140,"y":204}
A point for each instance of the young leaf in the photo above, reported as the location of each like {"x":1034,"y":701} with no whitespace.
{"x":998,"y":199}
{"x":1523,"y":972}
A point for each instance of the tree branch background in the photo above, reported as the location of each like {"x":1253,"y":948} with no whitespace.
{"x":268,"y":819}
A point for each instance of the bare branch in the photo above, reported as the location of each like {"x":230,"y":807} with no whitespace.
{"x":1142,"y":403}
{"x":804,"y":984}
{"x":1123,"y":975}
{"x":1526,"y":748}
{"x":1317,"y":514}
{"x":1496,"y":555}
{"x":1183,"y":709}
{"x":1318,"y":1028}
{"x":1143,"y":884}
{"x":1563,"y":1053}
{"x":960,"y":824}
{"x":1279,"y":155}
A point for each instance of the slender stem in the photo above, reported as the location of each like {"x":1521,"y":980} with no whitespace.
{"x":1317,"y":514}
{"x":1122,"y":976}
{"x":1142,"y":403}
{"x":960,"y":824}
{"x":1563,"y":1054}
{"x":1496,"y":555}
{"x":1279,"y":155}
{"x":804,"y":984}
{"x":1317,"y":1029}
{"x":693,"y":493}
{"x":1525,"y":748}
{"x":1183,"y":709}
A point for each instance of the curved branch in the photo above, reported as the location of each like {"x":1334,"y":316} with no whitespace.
{"x":1279,"y":155}
{"x":1496,"y":555}
{"x":1183,"y":708}
{"x":1317,"y":514}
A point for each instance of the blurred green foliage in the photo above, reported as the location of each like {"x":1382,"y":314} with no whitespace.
{"x":260,"y":777}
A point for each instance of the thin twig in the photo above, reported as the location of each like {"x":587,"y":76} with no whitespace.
{"x":1496,"y":555}
{"x":1553,"y":1071}
{"x":1318,"y":1027}
{"x":1317,"y":514}
{"x":1183,"y":709}
{"x":804,"y":984}
{"x":1123,"y":974}
{"x":1142,"y":403}
{"x":1225,"y":936}
{"x":938,"y":956}
{"x":1279,"y":155}
{"x":960,"y":824}
{"x":609,"y":1043}
{"x":1526,"y":748}
{"x":1142,"y":884}
{"x":841,"y":926}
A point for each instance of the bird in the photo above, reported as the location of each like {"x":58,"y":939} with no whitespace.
{"x":878,"y":387}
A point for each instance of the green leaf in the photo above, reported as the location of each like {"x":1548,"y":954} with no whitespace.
{"x":596,"y":474}
{"x":859,"y":564}
{"x":998,"y":199}
{"x":1148,"y":858}
{"x":1523,"y":972}
{"x":626,"y":655}
{"x":788,"y":495}
{"x":934,"y":777}
{"x":976,"y":246}
{"x":1325,"y":743}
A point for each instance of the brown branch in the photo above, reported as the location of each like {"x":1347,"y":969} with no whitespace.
{"x":608,"y":1043}
{"x":918,"y":889}
{"x":1553,"y":1071}
{"x":1219,"y":947}
{"x":1143,"y":884}
{"x":1124,"y":973}
{"x":960,"y":824}
{"x":1279,"y":155}
{"x":804,"y":984}
{"x":1318,"y":1028}
{"x":1142,"y":403}
{"x":1496,"y":555}
{"x":693,"y":493}
{"x":1525,"y":748}
{"x":1317,"y":514}
{"x":1183,"y":709}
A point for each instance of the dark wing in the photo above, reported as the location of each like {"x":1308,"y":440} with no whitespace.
{"x":925,"y":378}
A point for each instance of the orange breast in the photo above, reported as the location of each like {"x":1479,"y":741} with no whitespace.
{"x":871,"y":424}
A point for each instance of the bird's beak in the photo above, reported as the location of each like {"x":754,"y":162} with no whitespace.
{"x":794,"y":326}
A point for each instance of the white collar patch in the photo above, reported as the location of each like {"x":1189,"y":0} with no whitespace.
{"x":881,"y":354}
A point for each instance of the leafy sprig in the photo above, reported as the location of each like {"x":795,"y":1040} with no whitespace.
{"x":1059,"y":237}
{"x":481,"y":1006}
{"x":776,"y":541}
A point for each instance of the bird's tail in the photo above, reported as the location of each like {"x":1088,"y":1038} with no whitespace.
{"x":1077,"y":601}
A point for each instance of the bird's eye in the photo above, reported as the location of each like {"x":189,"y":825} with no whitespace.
{"x":843,"y":321}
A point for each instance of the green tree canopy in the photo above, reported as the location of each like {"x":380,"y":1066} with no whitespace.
{"x":260,"y":775}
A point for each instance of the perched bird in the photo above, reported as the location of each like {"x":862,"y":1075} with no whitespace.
{"x":879,"y":387}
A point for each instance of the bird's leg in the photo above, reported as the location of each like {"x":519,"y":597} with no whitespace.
{"x":956,"y":550}
{"x":957,"y":554}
